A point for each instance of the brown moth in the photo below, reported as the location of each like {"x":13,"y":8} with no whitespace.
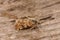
{"x":25,"y":23}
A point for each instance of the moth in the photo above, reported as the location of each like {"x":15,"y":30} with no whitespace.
{"x":26,"y":22}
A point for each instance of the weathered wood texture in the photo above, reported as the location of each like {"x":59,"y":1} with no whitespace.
{"x":49,"y":30}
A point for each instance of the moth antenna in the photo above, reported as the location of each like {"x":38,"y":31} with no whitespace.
{"x":48,"y":17}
